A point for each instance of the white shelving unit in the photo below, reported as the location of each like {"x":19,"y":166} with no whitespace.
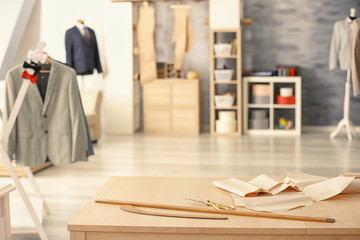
{"x":274,"y":110}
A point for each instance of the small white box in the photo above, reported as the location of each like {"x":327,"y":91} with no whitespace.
{"x":222,"y":49}
{"x":224,"y":101}
{"x":286,"y":92}
{"x":223,"y":75}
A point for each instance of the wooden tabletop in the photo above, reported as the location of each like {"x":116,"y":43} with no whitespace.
{"x":105,"y":218}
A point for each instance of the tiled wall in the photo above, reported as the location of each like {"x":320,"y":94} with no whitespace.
{"x":283,"y":32}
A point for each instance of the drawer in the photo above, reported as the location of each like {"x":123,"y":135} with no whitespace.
{"x":157,"y":95}
{"x":157,"y":121}
{"x":185,"y":121}
{"x":185,"y":94}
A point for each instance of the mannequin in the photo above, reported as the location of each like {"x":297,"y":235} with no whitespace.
{"x":345,"y":121}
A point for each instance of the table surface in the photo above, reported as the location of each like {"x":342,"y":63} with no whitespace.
{"x":106,"y":218}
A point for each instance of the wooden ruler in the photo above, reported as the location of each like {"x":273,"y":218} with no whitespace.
{"x":207,"y":210}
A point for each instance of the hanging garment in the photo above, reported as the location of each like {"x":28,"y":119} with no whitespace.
{"x":53,"y":128}
{"x":145,"y":37}
{"x":182,"y":36}
{"x":355,"y":56}
{"x":82,"y":52}
{"x":339,"y":57}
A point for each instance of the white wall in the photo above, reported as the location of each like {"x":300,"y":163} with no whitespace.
{"x":49,"y":22}
{"x":14,"y":16}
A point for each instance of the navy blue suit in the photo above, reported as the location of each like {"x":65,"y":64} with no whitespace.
{"x":80,"y":55}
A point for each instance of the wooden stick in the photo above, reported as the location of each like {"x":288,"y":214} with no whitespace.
{"x":206,"y":210}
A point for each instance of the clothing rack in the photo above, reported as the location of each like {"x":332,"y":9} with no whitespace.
{"x":7,"y":160}
{"x":345,"y":121}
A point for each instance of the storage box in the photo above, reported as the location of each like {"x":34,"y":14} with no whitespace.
{"x":259,"y":123}
{"x":225,"y":13}
{"x":224,"y":101}
{"x":258,"y":113}
{"x":260,"y":99}
{"x":223,"y":74}
{"x":222,"y":49}
{"x":225,"y":126}
{"x":227,"y":115}
{"x":260,"y":89}
{"x":285,"y":100}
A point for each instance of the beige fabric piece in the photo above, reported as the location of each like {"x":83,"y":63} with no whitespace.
{"x":355,"y":56}
{"x":299,"y":180}
{"x":282,"y":202}
{"x":238,"y":187}
{"x":268,"y":184}
{"x":182,"y":36}
{"x":145,"y":37}
{"x":327,"y":189}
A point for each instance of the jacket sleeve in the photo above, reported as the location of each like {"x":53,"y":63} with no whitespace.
{"x":97,"y":56}
{"x":69,"y":49}
{"x":79,"y":138}
{"x":10,"y":97}
{"x":355,"y":57}
{"x":334,"y":49}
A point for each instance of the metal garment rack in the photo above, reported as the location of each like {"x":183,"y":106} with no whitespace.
{"x":7,"y":160}
{"x":345,"y":121}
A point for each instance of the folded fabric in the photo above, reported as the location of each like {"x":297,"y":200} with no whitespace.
{"x":284,"y":201}
{"x":299,"y":180}
{"x":327,"y":189}
{"x":268,"y":184}
{"x":238,"y":187}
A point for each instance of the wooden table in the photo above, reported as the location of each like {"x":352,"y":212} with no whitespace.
{"x":108,"y":222}
{"x":5,"y":229}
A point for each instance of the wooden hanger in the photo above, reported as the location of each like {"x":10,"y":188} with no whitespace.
{"x":48,"y":60}
{"x":81,"y":21}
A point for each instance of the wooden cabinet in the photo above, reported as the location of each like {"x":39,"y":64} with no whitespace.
{"x":220,"y":84}
{"x":172,"y":107}
{"x":273,"y":112}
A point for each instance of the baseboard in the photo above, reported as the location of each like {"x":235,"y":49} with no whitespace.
{"x":324,"y":129}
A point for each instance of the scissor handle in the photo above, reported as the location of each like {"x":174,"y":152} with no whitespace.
{"x":219,"y":206}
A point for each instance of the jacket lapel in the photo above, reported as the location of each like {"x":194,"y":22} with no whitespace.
{"x":51,"y":84}
{"x":34,"y":91}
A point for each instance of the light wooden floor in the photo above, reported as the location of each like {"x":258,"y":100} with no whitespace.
{"x":68,"y":188}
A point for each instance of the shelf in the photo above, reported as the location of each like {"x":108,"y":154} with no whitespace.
{"x":232,"y":56}
{"x":291,"y":106}
{"x":274,"y":79}
{"x":232,"y":107}
{"x":234,"y":85}
{"x":226,"y":82}
{"x":254,"y":105}
{"x":254,"y":114}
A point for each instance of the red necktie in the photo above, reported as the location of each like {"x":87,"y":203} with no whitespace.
{"x":86,"y":35}
{"x":32,"y":78}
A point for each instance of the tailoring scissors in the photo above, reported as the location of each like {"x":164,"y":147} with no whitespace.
{"x":217,"y":206}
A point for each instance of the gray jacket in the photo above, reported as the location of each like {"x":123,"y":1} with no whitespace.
{"x":339,"y":57}
{"x":355,"y":56}
{"x":54,"y":128}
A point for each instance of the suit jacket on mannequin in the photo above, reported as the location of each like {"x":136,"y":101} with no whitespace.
{"x":53,"y":128}
{"x":355,"y":56}
{"x":339,"y":57}
{"x":80,"y":55}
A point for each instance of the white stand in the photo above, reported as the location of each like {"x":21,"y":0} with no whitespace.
{"x":7,"y":161}
{"x":346,"y":122}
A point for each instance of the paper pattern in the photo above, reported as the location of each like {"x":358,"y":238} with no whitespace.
{"x":238,"y":187}
{"x":280,"y":203}
{"x":301,"y":190}
{"x":327,"y":189}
